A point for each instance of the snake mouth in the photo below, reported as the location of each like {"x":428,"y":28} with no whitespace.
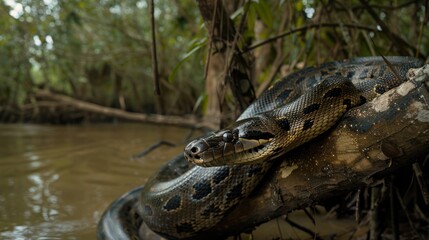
{"x":250,"y":155}
{"x":242,"y":152}
{"x":194,"y":158}
{"x":198,"y":161}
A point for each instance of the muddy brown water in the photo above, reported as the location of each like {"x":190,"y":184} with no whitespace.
{"x":56,"y":181}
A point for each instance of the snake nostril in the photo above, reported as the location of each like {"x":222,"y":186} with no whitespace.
{"x":194,"y":149}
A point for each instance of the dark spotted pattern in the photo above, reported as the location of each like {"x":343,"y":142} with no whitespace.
{"x":350,"y":74}
{"x":334,"y":92}
{"x":221,"y":175}
{"x":212,"y":209}
{"x":307,"y":124}
{"x":379,"y":89}
{"x":277,"y":150}
{"x":254,"y":170}
{"x":300,"y":79}
{"x":235,"y":192}
{"x":201,"y":189}
{"x":173,"y":203}
{"x":284,"y":96}
{"x":257,"y":135}
{"x":207,"y":194}
{"x":324,"y":73}
{"x":284,"y":124}
{"x":348,"y":103}
{"x":184,"y":228}
{"x":120,"y":220}
{"x":311,"y":108}
{"x":363,"y":74}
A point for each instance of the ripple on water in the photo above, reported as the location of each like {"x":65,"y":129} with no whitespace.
{"x":56,"y":181}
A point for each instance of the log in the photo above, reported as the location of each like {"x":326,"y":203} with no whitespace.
{"x":186,"y":121}
{"x":371,"y":141}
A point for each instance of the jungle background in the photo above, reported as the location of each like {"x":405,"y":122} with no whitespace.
{"x":191,"y":63}
{"x":101,"y":51}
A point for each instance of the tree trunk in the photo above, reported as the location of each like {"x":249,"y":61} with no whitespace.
{"x":224,"y":64}
{"x":370,"y":142}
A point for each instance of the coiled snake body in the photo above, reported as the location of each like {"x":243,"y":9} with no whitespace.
{"x":184,"y":199}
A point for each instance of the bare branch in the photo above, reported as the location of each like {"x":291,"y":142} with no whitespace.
{"x":189,"y":121}
{"x":157,"y":91}
{"x":392,"y":35}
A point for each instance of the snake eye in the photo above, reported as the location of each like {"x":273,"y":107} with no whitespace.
{"x":227,"y":137}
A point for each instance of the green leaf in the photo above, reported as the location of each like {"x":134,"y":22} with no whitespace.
{"x":201,"y":102}
{"x":196,"y":45}
{"x":251,"y":17}
{"x":265,"y":13}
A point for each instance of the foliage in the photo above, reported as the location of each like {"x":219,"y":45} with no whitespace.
{"x":99,"y":51}
{"x":312,"y":32}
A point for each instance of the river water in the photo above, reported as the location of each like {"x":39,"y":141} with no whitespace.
{"x":56,"y":181}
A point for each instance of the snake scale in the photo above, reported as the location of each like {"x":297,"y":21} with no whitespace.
{"x":192,"y":193}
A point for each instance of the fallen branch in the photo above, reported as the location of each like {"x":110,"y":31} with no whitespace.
{"x":188,"y":121}
{"x":370,"y":142}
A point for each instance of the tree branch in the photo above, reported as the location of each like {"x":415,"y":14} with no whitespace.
{"x":370,"y":142}
{"x":188,"y":121}
{"x":392,"y":35}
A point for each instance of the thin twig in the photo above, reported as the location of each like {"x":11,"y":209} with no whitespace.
{"x":305,"y":28}
{"x":151,"y":148}
{"x":393,"y":210}
{"x":422,"y":28}
{"x":302,"y":228}
{"x":389,"y":65}
{"x":210,"y":43}
{"x":277,"y":63}
{"x":279,"y":228}
{"x":400,"y":43}
{"x":373,"y":214}
{"x":410,"y":222}
{"x":309,"y":215}
{"x":422,"y":184}
{"x":157,"y":90}
{"x":237,"y":61}
{"x":358,"y":206}
{"x":154,"y":57}
{"x":392,"y":35}
{"x":384,"y":7}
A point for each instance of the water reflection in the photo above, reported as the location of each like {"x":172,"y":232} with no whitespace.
{"x":55,"y":181}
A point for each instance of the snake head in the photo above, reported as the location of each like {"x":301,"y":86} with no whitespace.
{"x":246,"y":141}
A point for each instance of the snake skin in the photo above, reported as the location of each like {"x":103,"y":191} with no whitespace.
{"x":184,"y":199}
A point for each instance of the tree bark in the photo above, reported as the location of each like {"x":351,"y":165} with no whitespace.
{"x":370,"y":142}
{"x":224,"y":63}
